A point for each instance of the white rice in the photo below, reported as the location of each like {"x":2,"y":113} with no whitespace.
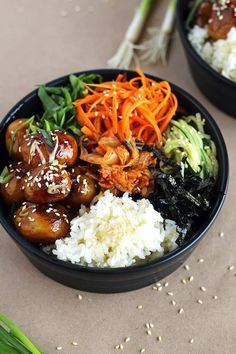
{"x":221,"y":54}
{"x":116,"y":232}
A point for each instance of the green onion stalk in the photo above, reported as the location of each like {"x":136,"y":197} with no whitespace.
{"x":126,"y":52}
{"x":156,"y":47}
{"x":13,"y":340}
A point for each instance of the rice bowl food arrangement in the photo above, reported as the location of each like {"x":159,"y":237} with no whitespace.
{"x":110,"y":173}
{"x":212,"y":33}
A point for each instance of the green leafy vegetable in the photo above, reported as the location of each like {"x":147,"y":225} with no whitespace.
{"x":59,"y":112}
{"x":13,"y":341}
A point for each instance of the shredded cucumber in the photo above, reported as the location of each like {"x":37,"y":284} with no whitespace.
{"x":187,"y":142}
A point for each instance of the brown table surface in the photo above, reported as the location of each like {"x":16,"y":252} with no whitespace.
{"x":42,"y":40}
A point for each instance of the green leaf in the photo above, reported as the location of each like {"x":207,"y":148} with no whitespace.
{"x":77,"y":86}
{"x":75,"y":129}
{"x":53,"y":90}
{"x":91,"y":78}
{"x":47,"y":137}
{"x":48,"y":103}
{"x":67,"y":96}
{"x":47,"y":125}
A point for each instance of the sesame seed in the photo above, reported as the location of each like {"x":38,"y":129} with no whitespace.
{"x":191,"y":341}
{"x":121,"y":346}
{"x":181,"y":310}
{"x":186,"y":267}
{"x":6,"y":185}
{"x":183,"y":281}
{"x":191,"y":278}
{"x":199,"y":301}
{"x":139,"y":307}
{"x":170,"y":293}
{"x":173,"y":302}
{"x":231,"y":267}
{"x":127,"y":339}
{"x":166,"y":284}
{"x":147,"y":325}
{"x":202,"y":288}
{"x":80,"y":297}
{"x":117,"y":346}
{"x":74,"y":343}
{"x":159,"y":338}
{"x":221,"y":234}
{"x":154,"y":288}
{"x":160,"y":288}
{"x":58,"y":348}
{"x":151,"y":325}
{"x":142,"y":350}
{"x":215,"y":297}
{"x":158,"y":284}
{"x":149,"y":332}
{"x":201,"y":260}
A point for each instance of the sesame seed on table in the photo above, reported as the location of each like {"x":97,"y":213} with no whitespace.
{"x":49,"y":39}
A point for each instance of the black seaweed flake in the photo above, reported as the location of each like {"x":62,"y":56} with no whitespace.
{"x":184,"y":198}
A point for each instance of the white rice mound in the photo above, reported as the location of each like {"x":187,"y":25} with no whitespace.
{"x":116,"y":232}
{"x":220,"y":55}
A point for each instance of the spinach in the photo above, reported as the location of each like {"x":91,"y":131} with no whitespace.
{"x":59,"y":112}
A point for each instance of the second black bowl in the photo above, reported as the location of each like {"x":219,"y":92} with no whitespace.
{"x":106,"y":280}
{"x":220,"y":90}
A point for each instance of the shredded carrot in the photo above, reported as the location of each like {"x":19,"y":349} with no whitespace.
{"x":139,"y":108}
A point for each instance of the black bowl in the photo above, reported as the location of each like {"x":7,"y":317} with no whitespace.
{"x":218,"y":89}
{"x":117,"y":279}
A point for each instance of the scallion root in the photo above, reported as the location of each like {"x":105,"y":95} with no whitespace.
{"x":156,"y":47}
{"x":125,"y":54}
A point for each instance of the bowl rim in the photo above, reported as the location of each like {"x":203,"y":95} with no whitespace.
{"x":183,"y":34}
{"x":29,"y":247}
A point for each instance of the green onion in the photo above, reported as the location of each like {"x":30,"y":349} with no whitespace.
{"x":5,"y":176}
{"x":192,"y":13}
{"x":155,"y":48}
{"x":125,"y":53}
{"x":13,"y":341}
{"x":13,"y":137}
